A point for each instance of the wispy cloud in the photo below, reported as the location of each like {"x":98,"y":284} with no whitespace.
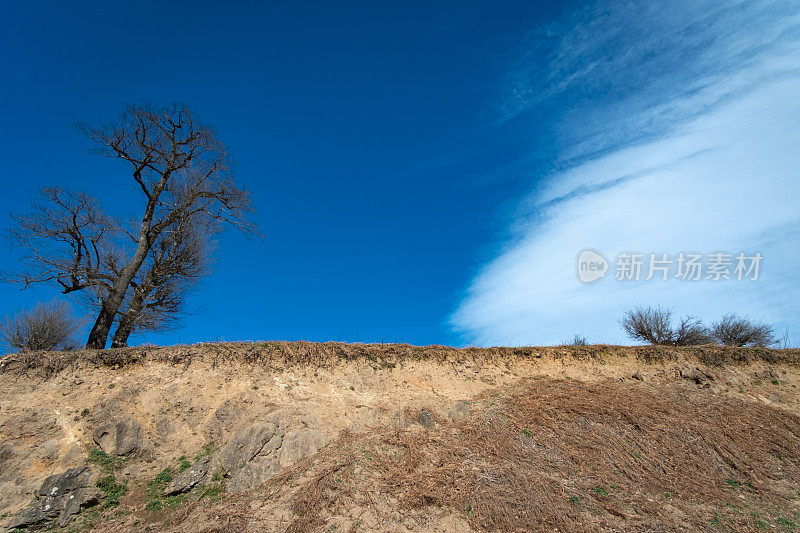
{"x":679,"y":133}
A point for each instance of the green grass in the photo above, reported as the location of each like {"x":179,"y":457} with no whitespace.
{"x":785,"y":522}
{"x":113,"y":490}
{"x":732,"y":483}
{"x":184,"y":464}
{"x":101,"y":459}
{"x":599,"y":491}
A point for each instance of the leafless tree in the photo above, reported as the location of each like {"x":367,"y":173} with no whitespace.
{"x":180,"y":257}
{"x":654,"y":325}
{"x":733,"y":330}
{"x":182,"y":172}
{"x":691,"y":332}
{"x":67,"y":239}
{"x":649,"y":324}
{"x":49,"y":326}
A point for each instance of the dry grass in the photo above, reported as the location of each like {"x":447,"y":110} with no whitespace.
{"x":571,"y":456}
{"x":278,"y":354}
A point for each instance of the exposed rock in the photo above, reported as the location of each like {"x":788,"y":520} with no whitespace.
{"x":638,"y":376}
{"x":119,"y":437}
{"x":259,"y":452}
{"x":425,"y":417}
{"x":60,"y":497}
{"x":698,"y":376}
{"x":190,"y":478}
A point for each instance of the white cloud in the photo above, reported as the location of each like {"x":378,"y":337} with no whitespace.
{"x":718,"y":169}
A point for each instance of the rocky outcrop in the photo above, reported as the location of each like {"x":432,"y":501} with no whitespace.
{"x":60,"y":497}
{"x":189,"y":479}
{"x":119,"y":437}
{"x":262,"y":450}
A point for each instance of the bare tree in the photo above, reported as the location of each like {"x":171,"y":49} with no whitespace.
{"x":49,"y":326}
{"x":68,"y":240}
{"x":182,"y":172}
{"x":649,"y":324}
{"x":654,"y":325}
{"x":733,"y":330}
{"x":179,"y":258}
{"x":691,"y":332}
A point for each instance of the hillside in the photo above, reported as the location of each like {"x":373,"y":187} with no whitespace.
{"x":350,"y":437}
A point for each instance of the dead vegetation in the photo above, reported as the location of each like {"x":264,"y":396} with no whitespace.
{"x":640,"y":439}
{"x":279,"y":354}
{"x":570,"y":456}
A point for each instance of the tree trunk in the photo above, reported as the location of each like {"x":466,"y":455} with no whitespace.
{"x":128,"y":320}
{"x":99,"y":334}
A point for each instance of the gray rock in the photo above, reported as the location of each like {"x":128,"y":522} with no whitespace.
{"x":189,"y":479}
{"x":698,"y":376}
{"x":119,"y":437}
{"x":60,"y":497}
{"x":259,"y":452}
{"x":638,"y":376}
{"x":425,"y":417}
{"x":246,"y":444}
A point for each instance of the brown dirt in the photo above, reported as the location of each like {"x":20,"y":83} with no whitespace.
{"x":556,"y":438}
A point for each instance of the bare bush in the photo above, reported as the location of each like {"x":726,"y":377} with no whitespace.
{"x":48,"y":326}
{"x":579,"y":340}
{"x":649,"y":324}
{"x":654,"y":325}
{"x":691,"y":332}
{"x":733,"y":330}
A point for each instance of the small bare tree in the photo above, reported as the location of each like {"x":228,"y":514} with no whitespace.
{"x":182,"y":172}
{"x":48,"y":326}
{"x":691,"y":332}
{"x":733,"y":330}
{"x":654,"y":325}
{"x":649,"y":324}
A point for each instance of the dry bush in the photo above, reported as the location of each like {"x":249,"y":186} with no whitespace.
{"x":578,"y":340}
{"x":654,"y":325}
{"x":691,"y":332}
{"x":733,"y":330}
{"x":48,"y":326}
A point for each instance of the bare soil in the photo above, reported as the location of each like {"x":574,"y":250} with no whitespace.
{"x":595,"y":438}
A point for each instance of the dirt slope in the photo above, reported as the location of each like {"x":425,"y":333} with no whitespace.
{"x":323,"y":437}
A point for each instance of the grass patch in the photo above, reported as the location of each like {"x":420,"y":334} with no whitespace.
{"x":113,"y":490}
{"x":102,"y":459}
{"x":184,"y":464}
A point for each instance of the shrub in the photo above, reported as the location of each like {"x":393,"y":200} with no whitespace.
{"x":113,"y":490}
{"x":733,"y":330}
{"x":579,"y":340}
{"x":48,"y":326}
{"x":691,"y":332}
{"x":649,"y":324}
{"x":654,"y":325}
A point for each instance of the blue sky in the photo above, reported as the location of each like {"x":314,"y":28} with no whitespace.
{"x":428,"y":173}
